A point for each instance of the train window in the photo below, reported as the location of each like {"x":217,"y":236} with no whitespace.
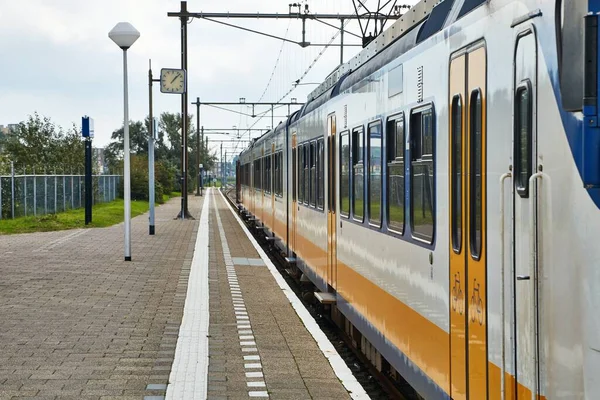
{"x":300,"y":174}
{"x":422,"y":174}
{"x":313,"y":174}
{"x":475,"y":172}
{"x":523,"y":136}
{"x":276,"y":174}
{"x":395,"y":174}
{"x":281,"y":174}
{"x":294,"y":171}
{"x":267,"y":174}
{"x":358,"y":181}
{"x":306,"y":173}
{"x":456,"y":173}
{"x":320,"y":174}
{"x":374,"y":186}
{"x":257,"y":174}
{"x":345,"y":174}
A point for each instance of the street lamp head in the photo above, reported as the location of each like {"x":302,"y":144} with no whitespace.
{"x":124,"y":35}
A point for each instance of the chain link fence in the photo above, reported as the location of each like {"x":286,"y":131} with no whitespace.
{"x":23,"y":194}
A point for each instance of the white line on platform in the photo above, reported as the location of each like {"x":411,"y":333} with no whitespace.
{"x":258,"y":394}
{"x":189,"y":373}
{"x":256,"y":384}
{"x":339,"y":366}
{"x":247,"y":343}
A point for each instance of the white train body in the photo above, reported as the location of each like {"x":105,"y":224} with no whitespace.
{"x":479,"y":277}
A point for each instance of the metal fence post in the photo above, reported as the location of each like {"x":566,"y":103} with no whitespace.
{"x":55,"y":193}
{"x":25,"y":190}
{"x":34,"y":194}
{"x":64,"y":194}
{"x":72,"y":192}
{"x":79,"y":188}
{"x":1,"y":198}
{"x":12,"y":189}
{"x":45,"y":192}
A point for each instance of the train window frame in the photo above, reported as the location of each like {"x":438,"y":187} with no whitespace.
{"x":376,"y":223}
{"x":416,"y":146}
{"x":456,"y":202}
{"x":320,"y":174}
{"x":300,"y":160}
{"x":313,"y":174}
{"x":358,"y":137}
{"x":395,"y":158}
{"x":522,"y":185}
{"x":306,"y":173}
{"x":267,"y":174}
{"x":345,"y":134}
{"x":294,"y":172}
{"x":476,"y":247}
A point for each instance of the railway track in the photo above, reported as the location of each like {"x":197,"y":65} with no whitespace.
{"x":378,"y":385}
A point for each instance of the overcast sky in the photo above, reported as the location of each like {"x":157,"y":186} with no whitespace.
{"x":57,"y":59}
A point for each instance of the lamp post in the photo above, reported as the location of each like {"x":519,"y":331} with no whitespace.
{"x":124,"y":35}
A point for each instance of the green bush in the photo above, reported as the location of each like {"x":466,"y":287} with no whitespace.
{"x":139,"y":181}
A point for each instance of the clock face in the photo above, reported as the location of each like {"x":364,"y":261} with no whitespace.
{"x":172,"y":81}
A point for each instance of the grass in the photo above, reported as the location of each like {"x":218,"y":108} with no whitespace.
{"x":103,"y":215}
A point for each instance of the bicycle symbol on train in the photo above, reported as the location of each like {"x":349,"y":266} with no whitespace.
{"x":476,"y":305}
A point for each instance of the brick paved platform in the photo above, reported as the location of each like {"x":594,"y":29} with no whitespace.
{"x":258,"y":346}
{"x":77,"y":322}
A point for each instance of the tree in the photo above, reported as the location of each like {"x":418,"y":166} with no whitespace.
{"x":39,"y":144}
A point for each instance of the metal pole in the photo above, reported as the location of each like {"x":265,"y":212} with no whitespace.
{"x":55,"y":192}
{"x":272,"y":119}
{"x":25,"y":190}
{"x":341,"y":41}
{"x":184,"y":113}
{"x":198,"y":145}
{"x":151,"y":153}
{"x":45,"y":192}
{"x":72,"y":190}
{"x":34,"y":194}
{"x":88,"y":181}
{"x":127,"y":177}
{"x":64,"y":193}
{"x":225,"y":173}
{"x":12,"y":188}
{"x":204,"y":160}
{"x":221,"y":159}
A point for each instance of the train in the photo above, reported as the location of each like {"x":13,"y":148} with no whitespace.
{"x":441,"y":191}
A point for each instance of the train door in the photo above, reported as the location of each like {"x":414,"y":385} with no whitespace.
{"x":525,"y":204}
{"x":273,"y":178}
{"x":294,"y":191}
{"x":331,"y":203}
{"x":263,"y":181}
{"x":468,"y":278}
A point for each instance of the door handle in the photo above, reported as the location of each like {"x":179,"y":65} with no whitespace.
{"x":523,"y":277}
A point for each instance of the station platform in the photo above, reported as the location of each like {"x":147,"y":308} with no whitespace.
{"x":199,"y":312}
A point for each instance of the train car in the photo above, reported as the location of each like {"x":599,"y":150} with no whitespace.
{"x":443,"y":188}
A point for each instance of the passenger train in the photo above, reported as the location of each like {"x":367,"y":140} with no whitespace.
{"x":443,"y":189}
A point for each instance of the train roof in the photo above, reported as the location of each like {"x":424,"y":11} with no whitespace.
{"x":422,"y":21}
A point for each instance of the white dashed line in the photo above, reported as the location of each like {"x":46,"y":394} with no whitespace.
{"x":246,"y":336}
{"x":339,"y":366}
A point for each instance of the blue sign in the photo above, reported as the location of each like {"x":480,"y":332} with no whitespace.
{"x":87,"y":127}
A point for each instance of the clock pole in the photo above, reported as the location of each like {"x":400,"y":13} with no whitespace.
{"x":184,"y":117}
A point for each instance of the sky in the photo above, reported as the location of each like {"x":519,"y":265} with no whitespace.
{"x":57,"y":60}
